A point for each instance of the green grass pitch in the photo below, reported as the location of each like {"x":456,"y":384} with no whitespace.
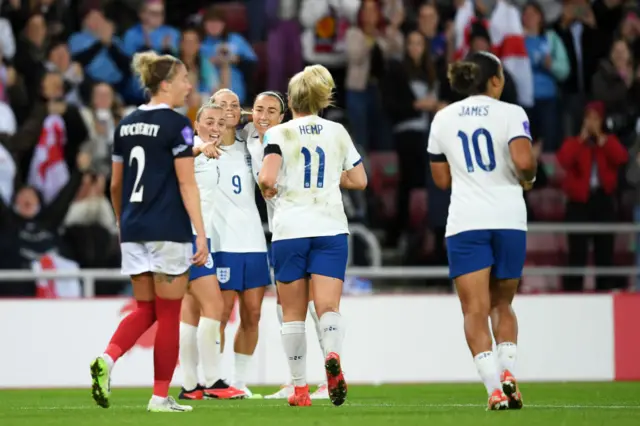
{"x":565,"y":404}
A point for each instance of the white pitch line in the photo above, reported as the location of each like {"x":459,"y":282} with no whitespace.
{"x":249,"y":405}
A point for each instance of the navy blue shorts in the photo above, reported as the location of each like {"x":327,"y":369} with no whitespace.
{"x":196,"y":272}
{"x":296,"y":258}
{"x":504,"y":250}
{"x":242,"y":271}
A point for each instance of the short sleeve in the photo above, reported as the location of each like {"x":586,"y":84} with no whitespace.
{"x":272,"y":141}
{"x":518,"y":125}
{"x":353,"y":157}
{"x":182,"y":145}
{"x":116,"y":152}
{"x":433,"y":146}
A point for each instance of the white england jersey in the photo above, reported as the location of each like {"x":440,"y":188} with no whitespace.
{"x":237,"y":224}
{"x":256,"y":150}
{"x":474,"y":136}
{"x":315,"y":152}
{"x":207,"y":179}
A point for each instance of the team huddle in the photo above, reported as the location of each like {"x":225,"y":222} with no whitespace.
{"x":192,"y":239}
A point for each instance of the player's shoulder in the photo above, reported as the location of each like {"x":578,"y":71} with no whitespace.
{"x":511,"y":109}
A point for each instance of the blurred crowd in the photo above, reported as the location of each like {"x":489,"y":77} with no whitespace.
{"x":65,"y":82}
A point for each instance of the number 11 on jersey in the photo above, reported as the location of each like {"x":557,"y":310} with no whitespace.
{"x":307,"y":167}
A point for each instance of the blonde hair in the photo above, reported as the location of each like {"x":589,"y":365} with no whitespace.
{"x":311,"y":90}
{"x":208,"y":105}
{"x":212,"y":99}
{"x":152,"y":69}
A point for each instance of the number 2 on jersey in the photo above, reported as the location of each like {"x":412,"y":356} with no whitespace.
{"x":307,"y":167}
{"x":476,"y":150}
{"x":137,"y":153}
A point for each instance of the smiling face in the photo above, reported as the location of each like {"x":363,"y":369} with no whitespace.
{"x":230,"y":103}
{"x":267,"y":112}
{"x":210,"y":124}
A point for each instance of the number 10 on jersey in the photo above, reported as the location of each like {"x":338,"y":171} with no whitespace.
{"x":307,"y":167}
{"x":475,"y":141}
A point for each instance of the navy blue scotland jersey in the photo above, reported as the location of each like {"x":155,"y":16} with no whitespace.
{"x":147,"y":142}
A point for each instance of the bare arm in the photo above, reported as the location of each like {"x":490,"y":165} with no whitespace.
{"x":356,"y":178}
{"x":441,"y":174}
{"x":189,"y":191}
{"x":269,"y":173}
{"x":523,"y":158}
{"x":116,"y":188}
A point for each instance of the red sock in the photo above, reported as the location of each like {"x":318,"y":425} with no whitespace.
{"x":165,"y":351}
{"x":130,"y":329}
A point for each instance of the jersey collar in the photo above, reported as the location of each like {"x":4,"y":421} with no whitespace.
{"x":147,"y":107}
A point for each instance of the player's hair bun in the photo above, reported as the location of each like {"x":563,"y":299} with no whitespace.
{"x":311,"y":90}
{"x":152,"y":69}
{"x":464,"y":77}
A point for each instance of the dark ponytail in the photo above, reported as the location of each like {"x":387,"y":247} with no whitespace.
{"x":471,"y":75}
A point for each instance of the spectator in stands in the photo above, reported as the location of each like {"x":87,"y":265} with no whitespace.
{"x":150,"y":34}
{"x":410,"y":97}
{"x":550,"y":65}
{"x":205,"y":77}
{"x":30,"y":228}
{"x":369,"y":46}
{"x":52,"y":122}
{"x":585,"y":45}
{"x":7,"y":173}
{"x":324,"y":25}
{"x":101,"y":119}
{"x":617,"y":85}
{"x":226,"y":49}
{"x":60,"y":62}
{"x":479,"y":40}
{"x":504,"y":31}
{"x":437,"y":41}
{"x":283,"y":42}
{"x":592,"y":161}
{"x":91,"y":207}
{"x":630,"y":32}
{"x":7,"y":41}
{"x":54,"y":12}
{"x":99,"y":50}
{"x":32,"y":53}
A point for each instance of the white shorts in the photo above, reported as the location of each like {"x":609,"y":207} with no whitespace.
{"x":164,"y":257}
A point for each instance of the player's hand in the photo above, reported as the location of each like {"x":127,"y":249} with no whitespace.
{"x":527,"y":185}
{"x":202,"y":251}
{"x":211,"y":150}
{"x":269,"y":193}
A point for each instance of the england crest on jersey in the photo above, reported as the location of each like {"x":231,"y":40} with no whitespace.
{"x":224,"y":275}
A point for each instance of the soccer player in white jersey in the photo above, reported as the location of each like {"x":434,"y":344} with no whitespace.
{"x":480,"y":147}
{"x":240,"y":247}
{"x":302,"y":170}
{"x":268,"y":111}
{"x":202,"y":307}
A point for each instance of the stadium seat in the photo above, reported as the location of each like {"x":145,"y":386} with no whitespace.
{"x":236,"y":14}
{"x":383,"y":171}
{"x":554,"y":170}
{"x":418,"y":202}
{"x":548,"y":204}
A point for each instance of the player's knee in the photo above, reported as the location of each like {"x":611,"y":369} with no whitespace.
{"x":324,"y":307}
{"x":250,"y":319}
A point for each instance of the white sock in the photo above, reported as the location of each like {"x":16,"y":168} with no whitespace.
{"x":488,"y":371}
{"x":209,"y":348}
{"x":294,"y":341}
{"x":110,"y":362}
{"x":316,"y":321}
{"x":189,"y":355}
{"x":331,"y":328}
{"x":158,"y":399}
{"x":242,"y":364}
{"x":507,"y":356}
{"x":279,"y":313}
